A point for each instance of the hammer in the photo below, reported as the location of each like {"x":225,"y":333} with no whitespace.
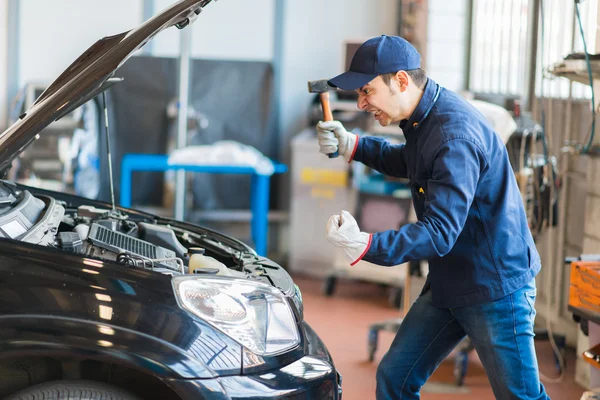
{"x":323,"y":88}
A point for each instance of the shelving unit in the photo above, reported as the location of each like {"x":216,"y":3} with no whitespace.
{"x":576,"y":70}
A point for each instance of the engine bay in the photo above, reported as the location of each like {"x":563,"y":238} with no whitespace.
{"x":137,"y":242}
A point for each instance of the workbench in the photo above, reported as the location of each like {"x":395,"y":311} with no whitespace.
{"x":259,"y":202}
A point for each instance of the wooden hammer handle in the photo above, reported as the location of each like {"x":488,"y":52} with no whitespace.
{"x":326,"y":106}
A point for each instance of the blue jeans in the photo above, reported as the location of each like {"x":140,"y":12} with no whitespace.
{"x":501,"y":332}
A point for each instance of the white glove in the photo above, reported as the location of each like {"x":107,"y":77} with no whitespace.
{"x":334,"y":137}
{"x":348,"y":236}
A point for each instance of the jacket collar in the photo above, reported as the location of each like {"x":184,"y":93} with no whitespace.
{"x":430,"y":96}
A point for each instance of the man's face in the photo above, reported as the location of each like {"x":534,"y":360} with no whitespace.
{"x":387,"y":103}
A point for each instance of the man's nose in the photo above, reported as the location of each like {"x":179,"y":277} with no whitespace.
{"x":361,"y":102}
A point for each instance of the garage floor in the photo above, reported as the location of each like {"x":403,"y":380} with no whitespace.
{"x":343,"y":320}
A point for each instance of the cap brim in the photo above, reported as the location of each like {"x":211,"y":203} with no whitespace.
{"x":351,"y":80}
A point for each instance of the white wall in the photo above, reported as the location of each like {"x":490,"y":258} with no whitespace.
{"x":229,"y":29}
{"x":314,"y":33}
{"x":54,"y":33}
{"x":3,"y":62}
{"x":447,"y":42}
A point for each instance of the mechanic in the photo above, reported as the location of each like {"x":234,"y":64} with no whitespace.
{"x":471,"y":225}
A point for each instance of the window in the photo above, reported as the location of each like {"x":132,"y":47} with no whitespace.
{"x":499,"y":45}
{"x":561,"y":37}
{"x":498,"y":49}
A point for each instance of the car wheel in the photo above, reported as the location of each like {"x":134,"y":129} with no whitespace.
{"x":72,"y":390}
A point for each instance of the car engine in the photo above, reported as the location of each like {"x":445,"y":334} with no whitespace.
{"x":103,"y":233}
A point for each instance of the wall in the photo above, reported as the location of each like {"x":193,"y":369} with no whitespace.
{"x":447,"y":42}
{"x":313,"y":37}
{"x":3,"y":62}
{"x":54,"y":33}
{"x":310,"y":54}
{"x":231,"y":29}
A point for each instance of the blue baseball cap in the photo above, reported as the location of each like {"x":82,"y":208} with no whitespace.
{"x":377,"y":56}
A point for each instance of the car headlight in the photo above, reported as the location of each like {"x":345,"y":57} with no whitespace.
{"x":254,"y":314}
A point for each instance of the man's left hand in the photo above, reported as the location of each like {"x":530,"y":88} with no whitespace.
{"x":342,"y":231}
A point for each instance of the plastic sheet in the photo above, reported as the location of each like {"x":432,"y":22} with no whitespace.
{"x":224,"y":152}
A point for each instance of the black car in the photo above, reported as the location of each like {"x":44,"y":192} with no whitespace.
{"x":101,"y":302}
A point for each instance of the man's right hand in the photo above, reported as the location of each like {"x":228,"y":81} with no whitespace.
{"x":333,"y":136}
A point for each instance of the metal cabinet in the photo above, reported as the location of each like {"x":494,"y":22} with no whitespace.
{"x":320,"y":187}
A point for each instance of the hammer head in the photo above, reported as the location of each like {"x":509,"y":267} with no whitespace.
{"x":319,"y":86}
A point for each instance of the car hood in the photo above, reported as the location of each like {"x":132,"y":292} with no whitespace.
{"x":89,"y":75}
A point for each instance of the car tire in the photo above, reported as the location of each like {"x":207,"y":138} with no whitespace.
{"x":71,"y":390}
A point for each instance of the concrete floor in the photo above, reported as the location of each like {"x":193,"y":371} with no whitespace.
{"x":343,"y":320}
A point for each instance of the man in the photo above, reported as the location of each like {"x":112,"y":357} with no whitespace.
{"x":471,"y":225}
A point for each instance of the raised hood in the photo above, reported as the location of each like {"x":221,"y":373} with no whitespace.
{"x":88,"y":76}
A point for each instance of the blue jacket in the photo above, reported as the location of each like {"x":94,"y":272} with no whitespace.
{"x":471,"y":225}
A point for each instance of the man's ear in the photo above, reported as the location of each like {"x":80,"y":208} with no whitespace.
{"x":402,"y":79}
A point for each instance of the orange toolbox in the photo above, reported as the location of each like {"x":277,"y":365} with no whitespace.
{"x":584,"y":292}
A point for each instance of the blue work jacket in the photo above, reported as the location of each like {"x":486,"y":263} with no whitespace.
{"x":471,"y":225}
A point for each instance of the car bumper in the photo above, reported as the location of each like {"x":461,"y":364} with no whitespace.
{"x":312,"y":377}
